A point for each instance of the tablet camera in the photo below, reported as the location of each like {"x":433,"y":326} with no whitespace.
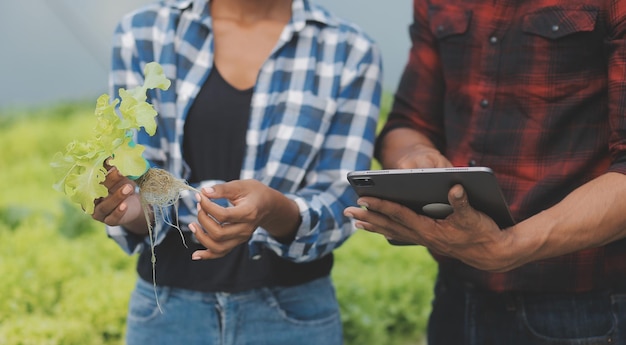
{"x":363,"y":182}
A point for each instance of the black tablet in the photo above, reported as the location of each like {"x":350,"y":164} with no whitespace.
{"x":425,"y":191}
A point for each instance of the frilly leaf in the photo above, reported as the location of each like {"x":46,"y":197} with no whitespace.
{"x":85,"y":185}
{"x":79,"y":171}
{"x":137,"y":114}
{"x":155,"y":78}
{"x":129,"y":160}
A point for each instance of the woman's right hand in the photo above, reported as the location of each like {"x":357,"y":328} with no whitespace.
{"x":122,"y":206}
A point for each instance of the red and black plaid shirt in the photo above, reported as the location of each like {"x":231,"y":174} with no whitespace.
{"x":536,"y":90}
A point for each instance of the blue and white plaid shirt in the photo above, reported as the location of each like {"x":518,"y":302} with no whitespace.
{"x":313,"y":114}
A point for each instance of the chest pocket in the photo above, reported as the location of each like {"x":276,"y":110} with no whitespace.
{"x":554,"y":22}
{"x":560,"y":41}
{"x":449,"y":20}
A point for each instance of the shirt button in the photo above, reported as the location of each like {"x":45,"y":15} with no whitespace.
{"x":256,"y":257}
{"x":484,"y":103}
{"x":555,"y":28}
{"x":471,"y":163}
{"x":493,"y":40}
{"x":440,"y":28}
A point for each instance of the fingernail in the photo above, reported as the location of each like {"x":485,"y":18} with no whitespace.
{"x":196,"y":257}
{"x":192,"y":228}
{"x":362,"y":203}
{"x":198,"y":197}
{"x":458,"y":194}
{"x":349,"y":215}
{"x":127,"y":189}
{"x":208,"y":190}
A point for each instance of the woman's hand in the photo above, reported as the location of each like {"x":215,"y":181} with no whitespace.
{"x":122,"y":206}
{"x":220,"y":229}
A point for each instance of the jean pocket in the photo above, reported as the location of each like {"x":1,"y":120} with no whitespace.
{"x":309,"y":304}
{"x":583,"y":319}
{"x":143,"y":305}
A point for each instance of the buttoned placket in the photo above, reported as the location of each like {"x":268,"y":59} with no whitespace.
{"x":494,"y":39}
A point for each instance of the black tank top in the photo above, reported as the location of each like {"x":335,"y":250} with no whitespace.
{"x":214,"y":147}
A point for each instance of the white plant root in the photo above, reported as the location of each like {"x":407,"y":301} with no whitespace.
{"x":159,"y":189}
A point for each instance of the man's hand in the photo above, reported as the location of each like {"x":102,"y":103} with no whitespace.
{"x":405,"y":148}
{"x":466,"y":234}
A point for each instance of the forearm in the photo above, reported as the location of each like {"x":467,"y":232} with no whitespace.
{"x":139,"y":225}
{"x":591,"y":216}
{"x":322,"y":226}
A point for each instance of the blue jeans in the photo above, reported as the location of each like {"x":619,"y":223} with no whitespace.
{"x":303,"y":314}
{"x":463,"y":315}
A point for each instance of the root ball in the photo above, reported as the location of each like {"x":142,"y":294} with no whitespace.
{"x":160,"y":188}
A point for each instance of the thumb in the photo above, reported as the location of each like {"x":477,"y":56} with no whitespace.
{"x":229,"y":190}
{"x":202,"y":255}
{"x":211,"y":192}
{"x":458,"y":200}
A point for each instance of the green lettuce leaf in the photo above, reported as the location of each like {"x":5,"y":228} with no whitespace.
{"x":85,"y":185}
{"x":129,"y":160}
{"x":79,"y":171}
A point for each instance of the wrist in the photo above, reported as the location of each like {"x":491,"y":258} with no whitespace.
{"x":284,"y":220}
{"x":519,"y":247}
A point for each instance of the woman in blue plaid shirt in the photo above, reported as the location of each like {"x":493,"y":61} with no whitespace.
{"x":272,"y":102}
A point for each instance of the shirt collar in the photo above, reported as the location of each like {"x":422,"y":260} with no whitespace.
{"x":302,"y":11}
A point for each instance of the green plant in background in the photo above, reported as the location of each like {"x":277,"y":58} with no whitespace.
{"x":64,"y":282}
{"x":57,"y":290}
{"x":384,"y":291}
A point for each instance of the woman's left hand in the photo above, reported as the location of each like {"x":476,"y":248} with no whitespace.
{"x":220,"y":229}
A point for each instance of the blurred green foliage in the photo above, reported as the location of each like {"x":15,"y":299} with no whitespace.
{"x":64,"y":282}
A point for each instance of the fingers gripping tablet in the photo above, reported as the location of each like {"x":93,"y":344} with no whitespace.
{"x":425,"y":191}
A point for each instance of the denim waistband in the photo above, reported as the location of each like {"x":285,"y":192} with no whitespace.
{"x":203,"y":296}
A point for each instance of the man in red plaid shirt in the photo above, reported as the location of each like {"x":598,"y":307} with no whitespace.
{"x":535,"y":90}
